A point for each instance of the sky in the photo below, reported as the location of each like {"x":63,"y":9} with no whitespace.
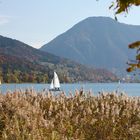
{"x":36,"y":22}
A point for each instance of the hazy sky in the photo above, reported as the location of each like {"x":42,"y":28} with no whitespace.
{"x":36,"y":22}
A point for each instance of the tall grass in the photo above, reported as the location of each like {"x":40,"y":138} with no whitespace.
{"x":27,"y":115}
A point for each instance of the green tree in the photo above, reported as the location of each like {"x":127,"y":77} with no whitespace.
{"x":1,"y":75}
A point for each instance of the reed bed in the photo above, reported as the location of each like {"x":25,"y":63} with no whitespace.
{"x":27,"y":115}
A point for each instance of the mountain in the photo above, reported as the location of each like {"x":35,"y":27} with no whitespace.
{"x":20,"y":62}
{"x":97,"y":41}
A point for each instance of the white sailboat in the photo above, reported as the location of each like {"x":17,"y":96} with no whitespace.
{"x":55,"y":84}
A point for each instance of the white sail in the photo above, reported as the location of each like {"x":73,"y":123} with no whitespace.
{"x":52,"y":85}
{"x":56,"y":81}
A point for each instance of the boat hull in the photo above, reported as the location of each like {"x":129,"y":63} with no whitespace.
{"x":55,"y":89}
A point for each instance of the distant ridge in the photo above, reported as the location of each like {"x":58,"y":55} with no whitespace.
{"x":97,"y":41}
{"x":20,"y":62}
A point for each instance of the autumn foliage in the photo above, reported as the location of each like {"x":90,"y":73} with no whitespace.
{"x":134,"y":64}
{"x":123,"y":5}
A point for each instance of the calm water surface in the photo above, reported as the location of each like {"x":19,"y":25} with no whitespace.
{"x":132,"y":89}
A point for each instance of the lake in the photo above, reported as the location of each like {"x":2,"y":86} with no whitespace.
{"x":132,"y":89}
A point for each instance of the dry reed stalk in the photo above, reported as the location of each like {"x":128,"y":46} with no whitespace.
{"x":79,"y":116}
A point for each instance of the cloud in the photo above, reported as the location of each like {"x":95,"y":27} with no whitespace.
{"x":4,"y":20}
